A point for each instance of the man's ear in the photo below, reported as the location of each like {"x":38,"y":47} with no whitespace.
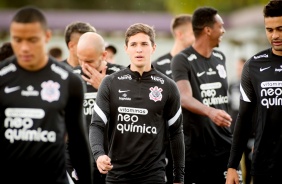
{"x":48,"y":35}
{"x":207,"y":30}
{"x":104,"y":54}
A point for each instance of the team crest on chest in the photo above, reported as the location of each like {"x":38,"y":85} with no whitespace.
{"x":221,"y":71}
{"x":156,"y":93}
{"x":50,"y":91}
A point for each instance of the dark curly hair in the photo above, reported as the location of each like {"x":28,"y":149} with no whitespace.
{"x":273,"y":9}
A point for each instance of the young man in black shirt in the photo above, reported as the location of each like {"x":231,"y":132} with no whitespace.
{"x":73,"y":32}
{"x":200,"y":74}
{"x":139,"y":105}
{"x":182,"y":32}
{"x":40,"y":102}
{"x":93,"y":68}
{"x":260,"y":89}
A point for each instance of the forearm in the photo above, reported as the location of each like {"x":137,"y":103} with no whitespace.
{"x":194,"y":105}
{"x":178,"y":156}
{"x":96,"y":139}
{"x":243,"y":128}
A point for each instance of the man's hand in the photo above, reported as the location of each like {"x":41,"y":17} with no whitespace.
{"x":94,"y":77}
{"x":104,"y":164}
{"x":220,"y":117}
{"x":232,"y":176}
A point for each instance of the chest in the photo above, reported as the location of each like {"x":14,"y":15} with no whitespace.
{"x":150,"y":94}
{"x":266,"y":78}
{"x":33,"y":90}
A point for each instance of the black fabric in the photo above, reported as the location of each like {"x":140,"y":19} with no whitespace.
{"x":138,"y":110}
{"x":88,"y":107}
{"x":208,"y":80}
{"x":41,"y":106}
{"x":260,"y":97}
{"x":163,"y":64}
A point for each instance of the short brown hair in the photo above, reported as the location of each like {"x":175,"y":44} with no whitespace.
{"x":180,"y":20}
{"x":77,"y":27}
{"x":140,"y":28}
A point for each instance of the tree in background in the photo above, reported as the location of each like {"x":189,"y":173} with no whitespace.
{"x":172,"y":6}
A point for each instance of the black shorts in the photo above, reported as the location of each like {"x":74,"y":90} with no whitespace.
{"x":208,"y":170}
{"x":267,"y":179}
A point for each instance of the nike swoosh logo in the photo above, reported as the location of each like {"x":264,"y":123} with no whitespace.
{"x":123,"y":91}
{"x":262,"y":69}
{"x":200,"y":74}
{"x":168,"y":72}
{"x":12,"y":89}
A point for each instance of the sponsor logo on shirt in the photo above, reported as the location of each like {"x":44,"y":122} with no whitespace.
{"x":77,"y":71}
{"x":10,"y":68}
{"x":271,"y":93}
{"x":262,"y":69}
{"x":128,"y":121}
{"x":158,"y":79}
{"x":164,"y":61}
{"x":192,"y":57}
{"x":89,"y":102}
{"x":114,"y":68}
{"x":218,"y":55}
{"x":211,"y":72}
{"x":209,"y":95}
{"x":125,"y":77}
{"x":29,"y":91}
{"x":124,"y":95}
{"x":63,"y":73}
{"x":156,"y":94}
{"x":50,"y":91}
{"x":19,"y":123}
{"x":11,"y":89}
{"x":261,"y":56}
{"x":131,"y":110}
{"x":278,"y":69}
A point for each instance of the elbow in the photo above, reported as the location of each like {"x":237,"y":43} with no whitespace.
{"x":183,"y":101}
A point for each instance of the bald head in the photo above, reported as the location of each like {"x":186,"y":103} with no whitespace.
{"x":91,"y":41}
{"x":91,"y":50}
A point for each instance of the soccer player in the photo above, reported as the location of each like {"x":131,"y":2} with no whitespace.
{"x":200,"y":74}
{"x":261,"y":86}
{"x":138,"y":104}
{"x":40,"y":102}
{"x":91,"y":55}
{"x":73,"y":32}
{"x":182,"y":32}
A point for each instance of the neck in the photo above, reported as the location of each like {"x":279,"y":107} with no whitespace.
{"x":177,"y":47}
{"x":140,"y":70}
{"x":73,"y":61}
{"x":203,"y":47}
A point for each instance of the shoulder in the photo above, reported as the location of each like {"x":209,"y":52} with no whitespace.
{"x":63,"y":70}
{"x":112,"y":67}
{"x":8,"y":66}
{"x":121,"y":74}
{"x":159,"y":76}
{"x":262,"y":55}
{"x":218,"y":54}
{"x":259,"y":57}
{"x":77,"y":70}
{"x":163,"y":59}
{"x":188,"y":54}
